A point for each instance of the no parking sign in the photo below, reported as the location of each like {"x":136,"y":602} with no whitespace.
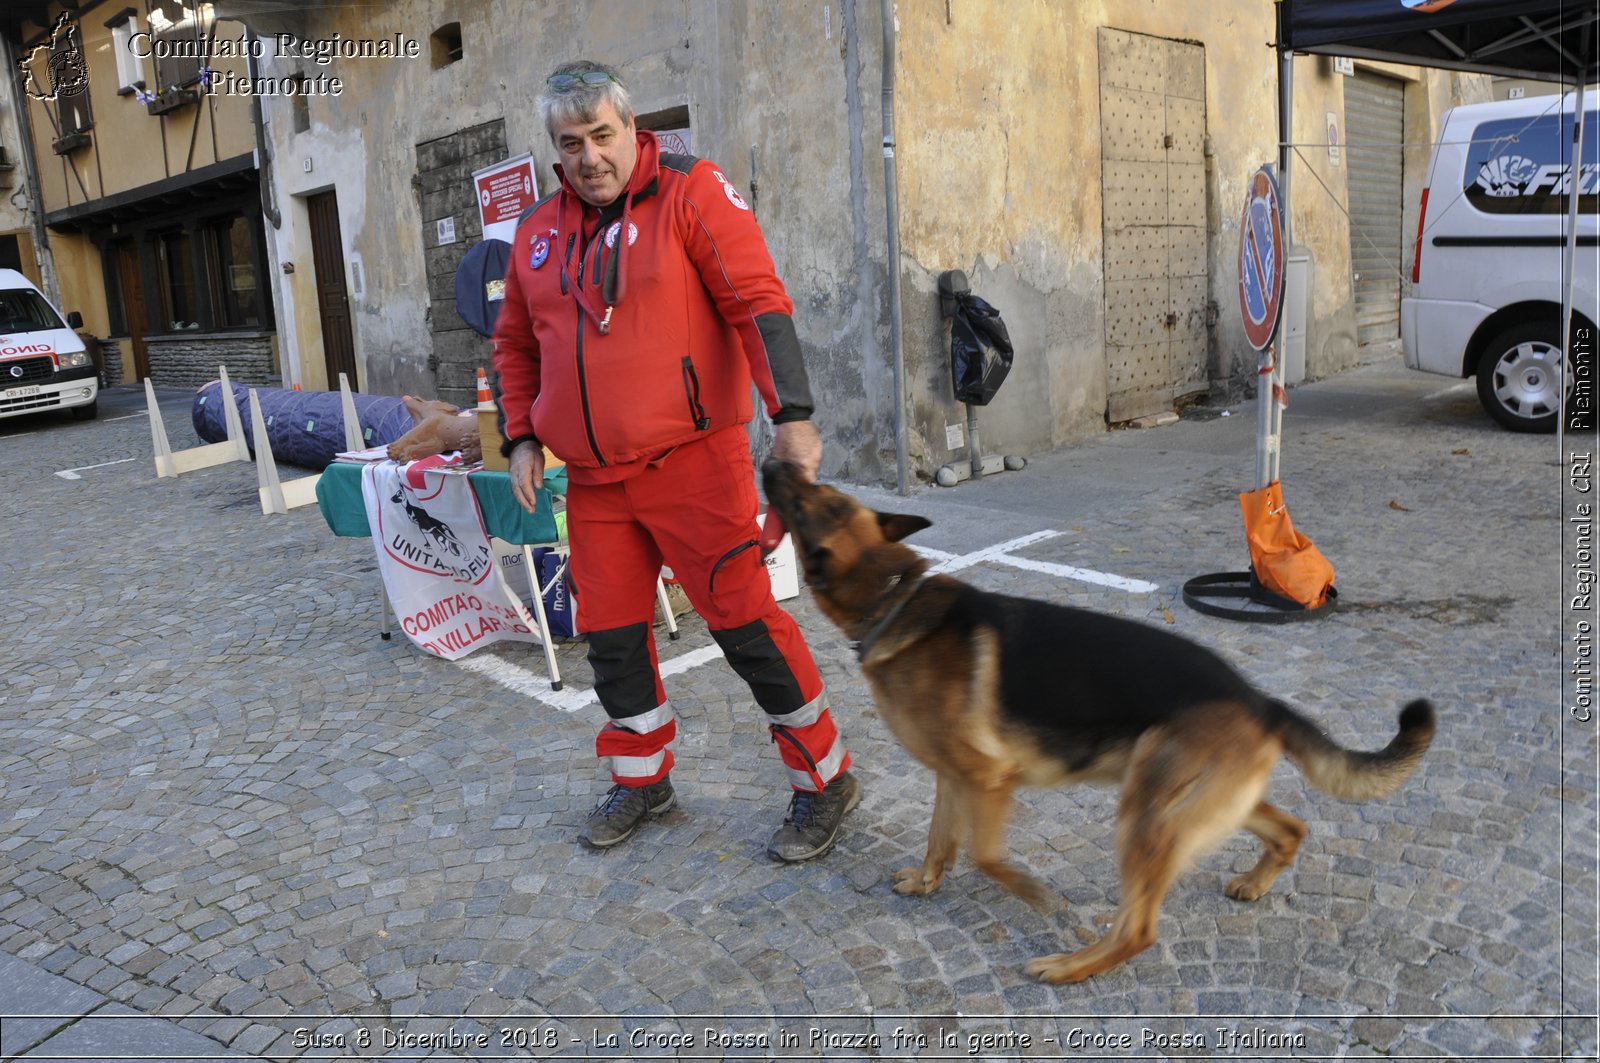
{"x":1261,"y":259}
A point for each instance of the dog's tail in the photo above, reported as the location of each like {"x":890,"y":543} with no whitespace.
{"x":1350,"y":775}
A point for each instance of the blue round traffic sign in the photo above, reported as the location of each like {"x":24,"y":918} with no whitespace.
{"x":1261,"y":259}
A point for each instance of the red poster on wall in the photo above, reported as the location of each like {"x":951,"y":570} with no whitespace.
{"x":504,"y":191}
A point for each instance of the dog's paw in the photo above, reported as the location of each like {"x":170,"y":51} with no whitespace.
{"x":1058,"y":968}
{"x":1246,"y":888}
{"x":914,"y":882}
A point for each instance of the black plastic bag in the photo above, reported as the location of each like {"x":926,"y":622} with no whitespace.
{"x":980,"y":347}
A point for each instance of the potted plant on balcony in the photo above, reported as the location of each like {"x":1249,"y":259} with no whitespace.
{"x":174,"y":97}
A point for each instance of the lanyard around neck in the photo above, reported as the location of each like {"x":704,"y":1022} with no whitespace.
{"x":601,"y":321}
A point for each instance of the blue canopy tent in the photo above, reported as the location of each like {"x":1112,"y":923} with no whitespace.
{"x":1547,"y":40}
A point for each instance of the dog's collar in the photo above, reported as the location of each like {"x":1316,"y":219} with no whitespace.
{"x":864,"y":644}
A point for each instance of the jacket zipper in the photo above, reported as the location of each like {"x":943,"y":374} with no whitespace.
{"x":691,"y":388}
{"x":583,"y":378}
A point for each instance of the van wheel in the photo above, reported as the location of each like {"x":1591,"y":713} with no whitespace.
{"x":1517,"y":377}
{"x":86,"y":413}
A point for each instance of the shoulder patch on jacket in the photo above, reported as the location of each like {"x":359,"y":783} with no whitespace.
{"x":671,"y":160}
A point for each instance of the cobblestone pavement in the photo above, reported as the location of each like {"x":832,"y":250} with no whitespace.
{"x":226,"y":804}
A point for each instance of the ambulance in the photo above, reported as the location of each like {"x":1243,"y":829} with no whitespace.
{"x":1489,"y":274}
{"x":43,"y":363}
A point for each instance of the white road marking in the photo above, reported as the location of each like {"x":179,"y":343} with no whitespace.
{"x":1084,"y":575}
{"x":1002,"y":555}
{"x":991,"y":553}
{"x":519,"y":680}
{"x":72,"y":474}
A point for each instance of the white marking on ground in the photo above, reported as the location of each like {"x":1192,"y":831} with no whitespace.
{"x":1001,"y":554}
{"x":72,"y":474}
{"x":536,"y":685}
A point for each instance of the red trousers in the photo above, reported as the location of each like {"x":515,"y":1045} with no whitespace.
{"x":694,"y":510}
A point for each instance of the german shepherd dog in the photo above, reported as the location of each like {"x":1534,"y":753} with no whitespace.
{"x":995,"y":693}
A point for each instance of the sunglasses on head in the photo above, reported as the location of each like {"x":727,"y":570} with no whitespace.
{"x":588,"y":77}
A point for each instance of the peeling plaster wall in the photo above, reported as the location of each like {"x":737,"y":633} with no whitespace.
{"x":996,"y":119}
{"x":15,"y":203}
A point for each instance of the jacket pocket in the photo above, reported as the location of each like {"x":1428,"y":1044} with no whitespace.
{"x":691,"y":389}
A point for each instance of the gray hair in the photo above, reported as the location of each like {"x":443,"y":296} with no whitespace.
{"x":578,"y":101}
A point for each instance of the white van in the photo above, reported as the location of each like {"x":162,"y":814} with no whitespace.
{"x":1486,"y":284}
{"x":43,"y":364}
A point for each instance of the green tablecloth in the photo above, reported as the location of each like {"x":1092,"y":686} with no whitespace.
{"x":339,"y":498}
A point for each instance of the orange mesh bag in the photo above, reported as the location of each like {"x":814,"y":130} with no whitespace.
{"x":1284,"y":561}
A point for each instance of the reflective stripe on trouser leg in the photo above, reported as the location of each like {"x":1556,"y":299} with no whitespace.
{"x":629,"y":689}
{"x":814,"y":756}
{"x":802,"y":725}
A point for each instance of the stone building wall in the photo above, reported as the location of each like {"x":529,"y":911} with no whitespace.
{"x":185,"y":361}
{"x":444,"y":170}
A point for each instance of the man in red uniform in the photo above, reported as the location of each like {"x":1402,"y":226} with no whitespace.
{"x":641,"y":303}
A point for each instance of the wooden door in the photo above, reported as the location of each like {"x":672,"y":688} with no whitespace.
{"x":333,"y":299}
{"x":1152,"y":142}
{"x":134,"y":313}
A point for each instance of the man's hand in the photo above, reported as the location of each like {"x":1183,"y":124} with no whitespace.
{"x":798,"y":442}
{"x":527,"y":473}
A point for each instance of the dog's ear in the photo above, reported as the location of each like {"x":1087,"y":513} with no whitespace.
{"x":897,"y":526}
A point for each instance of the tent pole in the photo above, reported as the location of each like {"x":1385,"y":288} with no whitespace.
{"x":1564,"y":366}
{"x":1269,"y":415}
{"x":1285,"y":161}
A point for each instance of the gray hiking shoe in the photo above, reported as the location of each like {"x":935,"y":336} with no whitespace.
{"x":812,"y":825}
{"x":622,"y":809}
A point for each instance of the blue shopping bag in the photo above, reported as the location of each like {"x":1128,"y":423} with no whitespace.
{"x":559,"y":608}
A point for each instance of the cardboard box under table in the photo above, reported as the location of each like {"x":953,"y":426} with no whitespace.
{"x":339,"y":498}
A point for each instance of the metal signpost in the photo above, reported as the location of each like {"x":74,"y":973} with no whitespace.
{"x":1262,"y":267}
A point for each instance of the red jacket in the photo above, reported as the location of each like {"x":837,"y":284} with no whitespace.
{"x":611,"y":359}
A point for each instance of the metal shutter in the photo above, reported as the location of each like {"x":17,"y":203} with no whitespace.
{"x":1374,"y":118}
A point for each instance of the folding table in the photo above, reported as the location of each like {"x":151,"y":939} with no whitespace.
{"x":339,"y":499}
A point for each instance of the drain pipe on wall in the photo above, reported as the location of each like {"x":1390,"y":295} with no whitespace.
{"x":258,"y":118}
{"x":891,"y":204}
{"x":43,"y":254}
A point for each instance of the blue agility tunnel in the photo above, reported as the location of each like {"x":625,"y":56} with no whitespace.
{"x":305,"y":428}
